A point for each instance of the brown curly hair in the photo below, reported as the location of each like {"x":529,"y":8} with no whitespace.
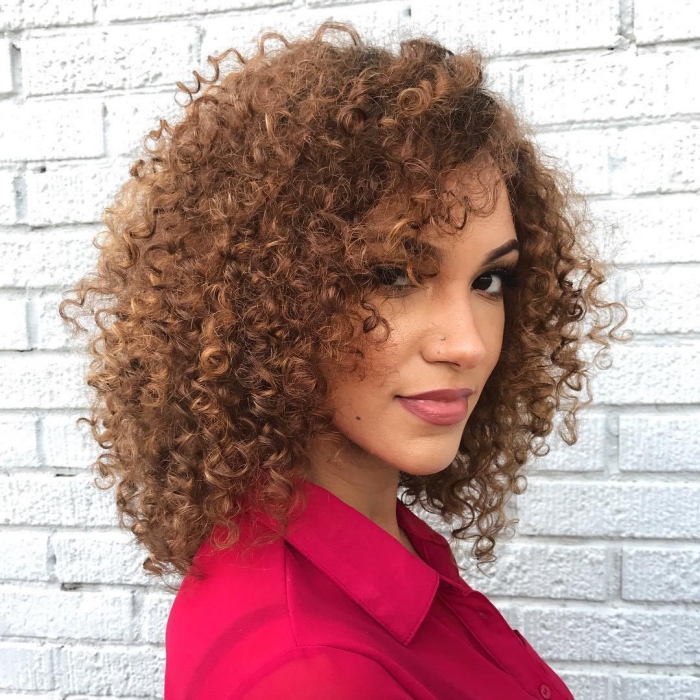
{"x":237,"y":261}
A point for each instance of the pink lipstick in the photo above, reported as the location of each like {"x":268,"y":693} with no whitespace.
{"x":439,"y":407}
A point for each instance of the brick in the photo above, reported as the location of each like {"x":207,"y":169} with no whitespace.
{"x":14,"y":336}
{"x":18,"y":447}
{"x":330,"y":3}
{"x":662,"y":299}
{"x":24,"y":554}
{"x":613,"y":636}
{"x":653,"y":442}
{"x":46,"y":257}
{"x":54,"y":613}
{"x":543,"y":571}
{"x":510,"y":613}
{"x":8,"y":208}
{"x":45,"y":500}
{"x":584,"y":153}
{"x":667,"y":574}
{"x":609,"y":509}
{"x":610,"y":86}
{"x":24,"y":385}
{"x":18,"y":14}
{"x":654,"y":21}
{"x":51,"y":332}
{"x":49,"y":130}
{"x":27,"y":666}
{"x":665,"y":377}
{"x":588,"y":685}
{"x":6,"y":82}
{"x":504,"y":27}
{"x":65,"y":444}
{"x":119,"y":10}
{"x":637,"y":686}
{"x":11,"y":15}
{"x":73,"y":193}
{"x":116,"y":58}
{"x":129,"y":118}
{"x":655,"y":229}
{"x":99,"y":557}
{"x":381,"y":22}
{"x":126,"y":671}
{"x":587,"y":454}
{"x":374,"y":21}
{"x":501,"y":78}
{"x":240,"y":34}
{"x":55,"y":13}
{"x":672,"y":147}
{"x":53,"y":695}
{"x":155,"y":610}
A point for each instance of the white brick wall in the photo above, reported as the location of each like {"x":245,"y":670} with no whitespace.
{"x":602,"y":576}
{"x":6,"y":85}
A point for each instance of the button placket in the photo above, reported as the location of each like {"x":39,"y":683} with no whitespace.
{"x":489,"y":617}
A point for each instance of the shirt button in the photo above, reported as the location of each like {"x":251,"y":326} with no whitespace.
{"x":545,"y":691}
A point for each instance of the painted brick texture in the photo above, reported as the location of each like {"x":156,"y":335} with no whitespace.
{"x":602,"y":574}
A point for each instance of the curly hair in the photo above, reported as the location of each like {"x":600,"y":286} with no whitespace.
{"x":237,"y":262}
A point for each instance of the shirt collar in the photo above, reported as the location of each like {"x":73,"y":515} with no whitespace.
{"x":392,"y":584}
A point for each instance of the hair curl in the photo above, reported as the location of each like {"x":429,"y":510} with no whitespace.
{"x":236,"y":263}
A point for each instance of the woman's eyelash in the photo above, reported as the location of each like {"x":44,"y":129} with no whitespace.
{"x":508,"y":274}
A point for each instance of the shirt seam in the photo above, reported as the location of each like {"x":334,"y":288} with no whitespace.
{"x":286,"y":595}
{"x":278,"y":660}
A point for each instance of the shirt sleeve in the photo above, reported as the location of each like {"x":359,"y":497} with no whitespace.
{"x":319,"y":673}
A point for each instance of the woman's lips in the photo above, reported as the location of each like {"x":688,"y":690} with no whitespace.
{"x":437,"y":412}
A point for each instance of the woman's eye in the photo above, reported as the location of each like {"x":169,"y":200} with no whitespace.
{"x":491,"y":283}
{"x":494,"y":281}
{"x":388,"y":276}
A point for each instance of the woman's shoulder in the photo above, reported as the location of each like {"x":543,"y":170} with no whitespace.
{"x":318,"y":672}
{"x":230,"y":635}
{"x":229,"y":619}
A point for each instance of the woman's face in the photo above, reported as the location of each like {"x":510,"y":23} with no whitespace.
{"x":464,"y":303}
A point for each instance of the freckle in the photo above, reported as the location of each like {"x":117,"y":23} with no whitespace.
{"x":358,"y":418}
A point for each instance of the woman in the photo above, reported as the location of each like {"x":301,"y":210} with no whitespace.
{"x":343,"y":273}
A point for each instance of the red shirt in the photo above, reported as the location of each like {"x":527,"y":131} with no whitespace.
{"x":340,"y":609}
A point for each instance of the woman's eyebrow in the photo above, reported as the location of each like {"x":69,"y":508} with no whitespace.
{"x":502,"y":250}
{"x":496,"y":253}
